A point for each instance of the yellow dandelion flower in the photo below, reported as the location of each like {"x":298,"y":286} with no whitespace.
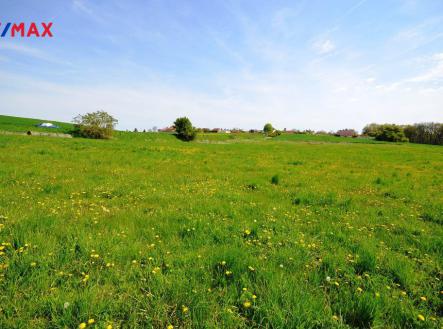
{"x":82,"y":325}
{"x":420,"y":317}
{"x":170,"y":326}
{"x":247,"y":304}
{"x":91,"y":321}
{"x":423,"y":298}
{"x":109,"y":326}
{"x":335,"y":317}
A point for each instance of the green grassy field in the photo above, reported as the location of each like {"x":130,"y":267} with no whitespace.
{"x":147,"y":231}
{"x":17,"y":124}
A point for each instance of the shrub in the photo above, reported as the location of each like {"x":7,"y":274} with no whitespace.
{"x":390,"y":133}
{"x":97,"y":125}
{"x":268,"y":129}
{"x":275,"y":133}
{"x":184,"y":129}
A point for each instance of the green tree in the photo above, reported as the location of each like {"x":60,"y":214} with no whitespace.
{"x":184,"y":129}
{"x":98,"y":125}
{"x":371,"y":129}
{"x":268,"y":129}
{"x":391,"y":133}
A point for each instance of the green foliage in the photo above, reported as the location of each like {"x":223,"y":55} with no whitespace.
{"x":268,"y":129}
{"x":422,"y":133}
{"x":371,"y":129}
{"x":425,"y":133}
{"x":95,"y":125}
{"x":274,"y":133}
{"x":390,"y":133}
{"x":184,"y":129}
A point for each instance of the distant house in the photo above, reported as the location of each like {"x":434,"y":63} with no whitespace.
{"x":346,"y":133}
{"x":167,"y":130}
{"x":47,"y":125}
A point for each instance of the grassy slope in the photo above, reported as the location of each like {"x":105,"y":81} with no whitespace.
{"x":151,"y":220}
{"x":10,"y":123}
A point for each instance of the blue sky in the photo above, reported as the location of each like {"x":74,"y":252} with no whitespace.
{"x":318,"y":64}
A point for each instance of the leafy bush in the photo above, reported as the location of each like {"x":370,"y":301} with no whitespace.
{"x":267,"y":129}
{"x":184,"y":129}
{"x":390,"y":133}
{"x":97,"y":125}
{"x":275,"y":133}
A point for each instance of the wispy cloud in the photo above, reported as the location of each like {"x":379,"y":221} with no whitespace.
{"x":84,"y":8}
{"x":323,"y":47}
{"x":32,"y":52}
{"x":434,"y":74}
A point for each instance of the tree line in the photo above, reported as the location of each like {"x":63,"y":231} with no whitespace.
{"x":422,"y":133}
{"x":101,"y":125}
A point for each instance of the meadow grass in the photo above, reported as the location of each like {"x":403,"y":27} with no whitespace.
{"x":146,"y":231}
{"x":18,"y":124}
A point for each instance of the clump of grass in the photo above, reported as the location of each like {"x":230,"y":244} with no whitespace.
{"x":379,"y":181}
{"x":360,"y":311}
{"x":365,"y":262}
{"x":275,"y":180}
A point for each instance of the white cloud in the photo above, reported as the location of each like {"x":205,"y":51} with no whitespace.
{"x":323,"y":47}
{"x":245,"y":100}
